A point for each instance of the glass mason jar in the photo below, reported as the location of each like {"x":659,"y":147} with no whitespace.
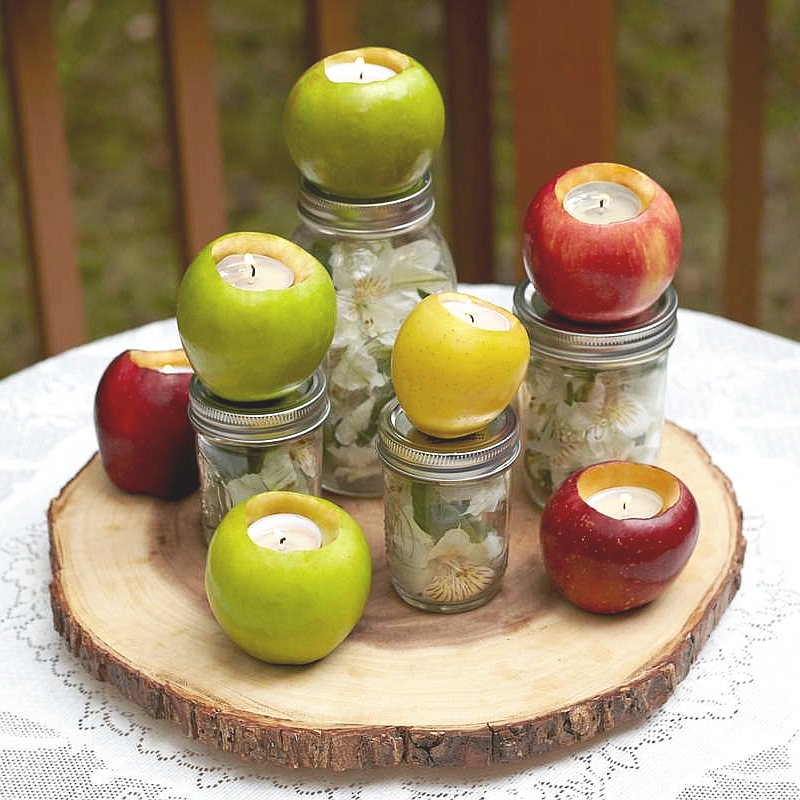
{"x":247,"y":448}
{"x":446,"y":506}
{"x":384,"y":256}
{"x":592,"y":393}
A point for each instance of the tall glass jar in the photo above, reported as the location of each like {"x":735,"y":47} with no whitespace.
{"x":446,"y":507}
{"x":247,"y":448}
{"x":592,"y":392}
{"x":384,"y":256}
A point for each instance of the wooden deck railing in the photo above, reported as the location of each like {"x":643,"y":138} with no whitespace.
{"x":569,"y":72}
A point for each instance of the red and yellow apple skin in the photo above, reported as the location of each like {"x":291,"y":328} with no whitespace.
{"x":145,"y":439}
{"x":288,"y":607}
{"x":601,"y":273}
{"x":365,"y":140}
{"x":248,"y":346}
{"x":452,"y":378}
{"x":607,"y":565}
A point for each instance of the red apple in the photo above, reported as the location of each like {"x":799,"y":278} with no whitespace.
{"x":607,"y":565}
{"x":601,"y":271}
{"x":147,"y":444}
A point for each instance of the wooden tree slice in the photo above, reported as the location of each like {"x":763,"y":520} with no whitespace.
{"x":523,"y":675}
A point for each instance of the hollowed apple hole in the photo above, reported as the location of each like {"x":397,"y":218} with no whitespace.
{"x":167,"y":361}
{"x":637,"y":182}
{"x":620,"y":473}
{"x":287,"y":504}
{"x":276,"y":248}
{"x":382,"y":56}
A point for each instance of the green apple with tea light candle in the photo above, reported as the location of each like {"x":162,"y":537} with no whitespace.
{"x":256,"y":315}
{"x":288,"y":576}
{"x":364,"y":123}
{"x":457,"y":362}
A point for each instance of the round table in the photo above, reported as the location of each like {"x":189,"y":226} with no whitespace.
{"x":731,"y":729}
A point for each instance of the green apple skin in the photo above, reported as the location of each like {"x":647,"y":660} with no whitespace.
{"x":451,"y":378}
{"x":248,"y":346}
{"x":291,"y":607}
{"x":365,"y":140}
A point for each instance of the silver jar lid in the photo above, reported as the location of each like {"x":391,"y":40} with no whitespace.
{"x":415,"y":454}
{"x":332,"y":215}
{"x":634,"y":341}
{"x":265,"y":422}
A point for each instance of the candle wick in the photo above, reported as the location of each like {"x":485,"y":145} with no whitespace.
{"x":248,"y":262}
{"x":471,"y":318}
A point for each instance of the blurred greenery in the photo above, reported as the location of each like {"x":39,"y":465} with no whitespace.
{"x":671,"y":97}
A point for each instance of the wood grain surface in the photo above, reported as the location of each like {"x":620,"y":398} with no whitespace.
{"x":525,"y":674}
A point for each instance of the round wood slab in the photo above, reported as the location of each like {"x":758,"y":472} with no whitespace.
{"x":524,"y":674}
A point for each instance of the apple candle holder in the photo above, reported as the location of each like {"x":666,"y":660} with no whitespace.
{"x":247,"y":448}
{"x":446,"y":504}
{"x":383,"y":256}
{"x":616,"y":534}
{"x":592,"y":393}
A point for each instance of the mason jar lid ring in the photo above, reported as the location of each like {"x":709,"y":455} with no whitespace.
{"x":622,"y":344}
{"x":416,"y":455}
{"x":390,"y":216}
{"x":264,"y":422}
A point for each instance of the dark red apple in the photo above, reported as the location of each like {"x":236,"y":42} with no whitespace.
{"x":607,"y":565}
{"x":601,"y":271}
{"x":147,"y":444}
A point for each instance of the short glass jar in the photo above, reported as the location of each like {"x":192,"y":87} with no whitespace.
{"x":592,"y":392}
{"x":247,"y":448}
{"x":446,"y":509}
{"x":384,"y":256}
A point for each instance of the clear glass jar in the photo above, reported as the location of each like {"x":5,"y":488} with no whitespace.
{"x":384,"y":256}
{"x":247,"y":448}
{"x":446,"y":508}
{"x":592,"y":393}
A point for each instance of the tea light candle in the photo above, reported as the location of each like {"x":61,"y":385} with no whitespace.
{"x":358,"y":71}
{"x":480,"y":316}
{"x":254,"y":272}
{"x":285,"y":532}
{"x":602,"y":202}
{"x":627,"y":502}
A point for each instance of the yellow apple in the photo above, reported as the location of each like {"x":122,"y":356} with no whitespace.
{"x":457,"y":363}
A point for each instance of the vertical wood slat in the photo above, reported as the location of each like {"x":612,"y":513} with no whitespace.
{"x":469,"y":131}
{"x":562,"y":77}
{"x":194,"y":123}
{"x":331,"y":26}
{"x":43,"y":165}
{"x":747,"y":70}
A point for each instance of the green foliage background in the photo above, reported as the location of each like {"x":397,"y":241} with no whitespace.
{"x":671,"y":95}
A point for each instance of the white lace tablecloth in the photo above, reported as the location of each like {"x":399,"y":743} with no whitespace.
{"x":730,"y":730}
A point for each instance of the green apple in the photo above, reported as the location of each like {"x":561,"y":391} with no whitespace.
{"x":368,"y":139}
{"x":249,"y":345}
{"x":457,"y":363}
{"x":291,"y":607}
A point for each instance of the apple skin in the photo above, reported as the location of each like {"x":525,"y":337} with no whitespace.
{"x":248,"y":346}
{"x":291,"y":607}
{"x":452,"y":378}
{"x":606,"y":565}
{"x":365,"y":140}
{"x":146,"y":442}
{"x":601,"y":273}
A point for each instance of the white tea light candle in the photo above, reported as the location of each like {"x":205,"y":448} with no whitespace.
{"x":602,"y":202}
{"x":478,"y":315}
{"x":285,"y":532}
{"x":358,"y":71}
{"x":627,"y":502}
{"x":254,"y":272}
